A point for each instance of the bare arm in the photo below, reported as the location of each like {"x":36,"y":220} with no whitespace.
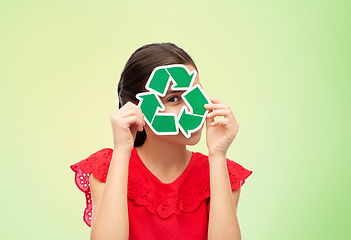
{"x":110,"y":216}
{"x":223,"y":221}
{"x":110,"y":204}
{"x":96,"y":189}
{"x":220,"y":132}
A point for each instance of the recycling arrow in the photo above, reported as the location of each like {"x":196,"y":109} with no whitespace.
{"x":194,"y":97}
{"x":181,"y":77}
{"x":149,"y":104}
{"x":188,"y":122}
{"x":160,"y":123}
{"x":161,"y":77}
{"x":159,"y":81}
{"x":192,"y":121}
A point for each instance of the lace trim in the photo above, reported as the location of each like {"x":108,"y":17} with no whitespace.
{"x":98,"y":163}
{"x":186,"y":201}
{"x":82,"y":182}
{"x":237,"y":174}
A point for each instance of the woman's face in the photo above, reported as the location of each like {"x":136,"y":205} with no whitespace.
{"x":173,"y":103}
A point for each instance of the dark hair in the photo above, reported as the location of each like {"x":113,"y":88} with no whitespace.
{"x":139,"y":68}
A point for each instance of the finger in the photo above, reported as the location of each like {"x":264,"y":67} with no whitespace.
{"x":222,"y":121}
{"x":227,"y":113}
{"x":134,"y":120}
{"x":216,"y":105}
{"x":220,"y":113}
{"x":138,"y":111}
{"x":132,"y":111}
{"x":213,"y":106}
{"x":215,"y":100}
{"x":141,"y":114}
{"x":128,"y":106}
{"x":209,"y":120}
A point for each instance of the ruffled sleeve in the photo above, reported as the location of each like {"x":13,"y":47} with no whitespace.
{"x":98,"y":164}
{"x":237,"y":174}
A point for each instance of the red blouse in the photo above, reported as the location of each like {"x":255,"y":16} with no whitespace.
{"x":177,"y":210}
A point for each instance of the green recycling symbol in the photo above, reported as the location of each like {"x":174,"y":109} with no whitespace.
{"x":188,"y":121}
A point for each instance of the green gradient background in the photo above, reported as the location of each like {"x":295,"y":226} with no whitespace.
{"x":282,"y":66}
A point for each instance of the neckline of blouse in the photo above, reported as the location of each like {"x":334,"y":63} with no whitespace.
{"x":179,"y":178}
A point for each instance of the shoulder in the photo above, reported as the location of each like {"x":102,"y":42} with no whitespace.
{"x":97,"y":163}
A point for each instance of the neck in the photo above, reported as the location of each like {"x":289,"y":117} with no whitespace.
{"x":165,"y":155}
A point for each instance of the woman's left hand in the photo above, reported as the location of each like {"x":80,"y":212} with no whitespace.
{"x":221,"y":131}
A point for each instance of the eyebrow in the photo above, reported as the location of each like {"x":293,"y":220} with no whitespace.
{"x":171,"y":92}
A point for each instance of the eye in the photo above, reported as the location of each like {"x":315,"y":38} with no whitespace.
{"x":173,"y":99}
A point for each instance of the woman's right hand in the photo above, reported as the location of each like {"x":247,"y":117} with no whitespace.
{"x":125,"y":123}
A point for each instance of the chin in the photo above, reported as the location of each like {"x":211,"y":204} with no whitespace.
{"x":181,"y":139}
{"x":194,"y":138}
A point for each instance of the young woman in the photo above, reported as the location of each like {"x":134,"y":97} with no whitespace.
{"x":150,"y":186}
